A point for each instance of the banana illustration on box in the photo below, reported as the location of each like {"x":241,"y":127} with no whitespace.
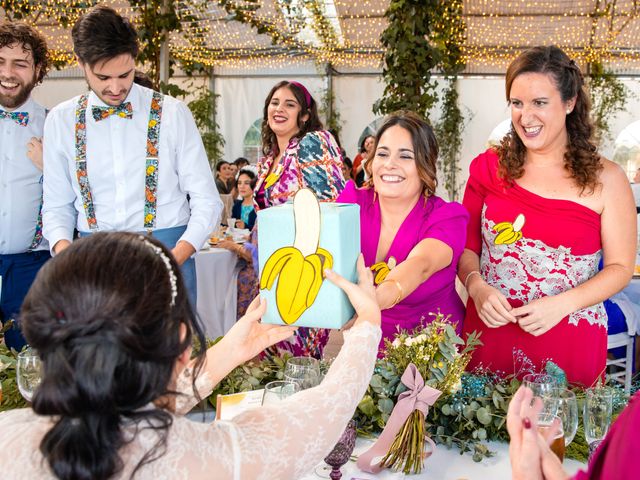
{"x":508,"y":232}
{"x":299,"y":269}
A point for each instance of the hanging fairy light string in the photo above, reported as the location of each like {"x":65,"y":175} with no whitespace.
{"x":278,"y":33}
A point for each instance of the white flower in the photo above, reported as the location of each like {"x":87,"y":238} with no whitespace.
{"x":421,"y":338}
{"x":396,"y":343}
{"x":456,"y":387}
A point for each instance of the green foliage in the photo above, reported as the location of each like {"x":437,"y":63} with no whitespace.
{"x":449,"y":134}
{"x":410,"y":57}
{"x":203,"y":108}
{"x":424,"y":37}
{"x":327,"y":109}
{"x":10,"y":397}
{"x":608,"y":97}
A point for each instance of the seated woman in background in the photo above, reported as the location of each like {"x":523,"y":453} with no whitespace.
{"x":243,"y":208}
{"x":298,"y":153}
{"x":410,"y":238}
{"x":115,"y":350}
{"x":224,"y":178}
{"x":245,"y":214}
{"x":545,"y":208}
{"x":346,"y":169}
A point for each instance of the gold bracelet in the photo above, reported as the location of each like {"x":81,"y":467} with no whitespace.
{"x":466,"y":280}
{"x":400,"y":291}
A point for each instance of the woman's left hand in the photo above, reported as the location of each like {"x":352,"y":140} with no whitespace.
{"x":248,"y":337}
{"x":531,"y":458}
{"x":541,"y":315}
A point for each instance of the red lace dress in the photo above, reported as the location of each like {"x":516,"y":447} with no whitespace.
{"x":558,"y":250}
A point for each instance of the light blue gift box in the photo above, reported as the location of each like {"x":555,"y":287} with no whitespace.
{"x":339,"y":235}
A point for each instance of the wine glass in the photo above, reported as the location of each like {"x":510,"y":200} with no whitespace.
{"x":28,"y":372}
{"x":276,"y":391}
{"x":566,"y":406}
{"x":305,"y":371}
{"x":546,"y":422}
{"x":341,"y":452}
{"x":540,"y":384}
{"x":598,"y":405}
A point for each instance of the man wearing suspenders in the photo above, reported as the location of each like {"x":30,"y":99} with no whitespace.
{"x":23,"y":64}
{"x":124,"y":157}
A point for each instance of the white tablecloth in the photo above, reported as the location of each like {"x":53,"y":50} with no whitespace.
{"x":217,"y":274}
{"x":442,"y":465}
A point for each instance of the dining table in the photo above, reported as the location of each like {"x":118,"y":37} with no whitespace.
{"x":217,"y":286}
{"x":443,"y":464}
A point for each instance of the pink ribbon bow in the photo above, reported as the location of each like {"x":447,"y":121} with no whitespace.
{"x":417,"y":397}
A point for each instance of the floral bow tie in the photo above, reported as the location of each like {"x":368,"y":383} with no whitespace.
{"x":21,"y":118}
{"x":123,"y":110}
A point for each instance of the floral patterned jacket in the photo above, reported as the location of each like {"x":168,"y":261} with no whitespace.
{"x":314,"y":162}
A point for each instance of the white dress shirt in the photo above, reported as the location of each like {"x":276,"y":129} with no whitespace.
{"x":116,"y":158}
{"x":20,"y":181}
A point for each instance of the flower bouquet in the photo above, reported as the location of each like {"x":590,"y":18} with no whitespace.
{"x":432,"y":358}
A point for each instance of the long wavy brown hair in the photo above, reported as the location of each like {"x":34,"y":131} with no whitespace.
{"x":581,"y":158}
{"x":313,"y":124}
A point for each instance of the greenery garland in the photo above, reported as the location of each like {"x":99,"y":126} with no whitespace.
{"x":608,"y":98}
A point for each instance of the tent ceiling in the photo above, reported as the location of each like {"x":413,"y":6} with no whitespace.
{"x":348,"y":32}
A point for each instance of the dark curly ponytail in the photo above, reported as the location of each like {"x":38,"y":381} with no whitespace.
{"x":105,"y":317}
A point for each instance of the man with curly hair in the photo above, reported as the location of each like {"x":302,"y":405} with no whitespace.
{"x":23,"y":64}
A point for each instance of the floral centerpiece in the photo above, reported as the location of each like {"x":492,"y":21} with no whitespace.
{"x":417,"y":368}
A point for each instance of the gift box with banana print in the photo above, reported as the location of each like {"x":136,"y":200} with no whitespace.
{"x":296,"y":242}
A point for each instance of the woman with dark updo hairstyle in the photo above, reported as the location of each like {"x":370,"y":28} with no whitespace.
{"x":545,"y":209}
{"x":111,"y":321}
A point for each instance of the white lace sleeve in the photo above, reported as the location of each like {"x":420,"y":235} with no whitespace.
{"x":186,"y":400}
{"x":288,"y":439}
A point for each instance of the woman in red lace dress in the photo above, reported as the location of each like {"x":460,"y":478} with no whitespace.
{"x":545,"y":208}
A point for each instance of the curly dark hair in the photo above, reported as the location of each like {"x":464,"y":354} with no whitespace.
{"x":109,"y":344}
{"x":425,"y":147}
{"x":31,"y":40}
{"x":313,"y":124}
{"x":581,"y":158}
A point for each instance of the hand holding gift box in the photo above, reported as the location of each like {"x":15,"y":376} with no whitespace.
{"x":297,"y":242}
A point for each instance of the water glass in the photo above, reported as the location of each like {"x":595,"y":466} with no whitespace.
{"x":565,"y":404}
{"x":305,"y":371}
{"x":275,"y":392}
{"x":28,"y":372}
{"x":598,"y":405}
{"x":545,"y":422}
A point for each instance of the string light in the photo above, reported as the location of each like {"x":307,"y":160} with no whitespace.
{"x":346,"y":33}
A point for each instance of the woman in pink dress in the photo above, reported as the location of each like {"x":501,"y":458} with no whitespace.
{"x":411,"y":238}
{"x":545,"y":209}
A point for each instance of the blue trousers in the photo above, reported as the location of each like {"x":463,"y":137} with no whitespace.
{"x":18,"y":271}
{"x":169,"y":237}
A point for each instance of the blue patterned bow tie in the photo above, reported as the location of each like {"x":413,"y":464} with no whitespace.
{"x":123,"y":110}
{"x":21,"y":118}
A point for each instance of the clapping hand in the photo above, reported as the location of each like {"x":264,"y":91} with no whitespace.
{"x":34,"y":152}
